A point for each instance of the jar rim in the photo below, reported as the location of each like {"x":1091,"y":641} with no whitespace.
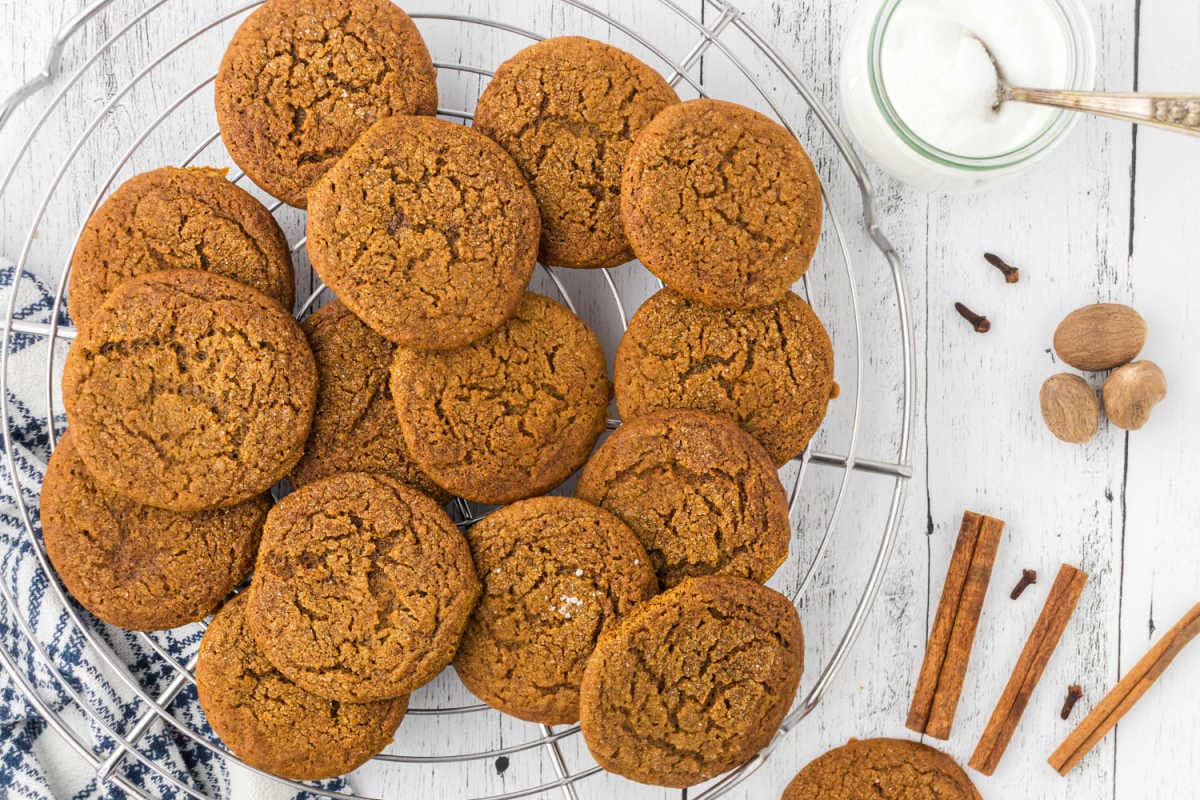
{"x":1079,"y":35}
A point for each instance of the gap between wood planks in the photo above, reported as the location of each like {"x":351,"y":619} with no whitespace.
{"x":1137,"y":41}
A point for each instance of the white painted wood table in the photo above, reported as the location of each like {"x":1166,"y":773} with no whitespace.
{"x":1112,"y":216}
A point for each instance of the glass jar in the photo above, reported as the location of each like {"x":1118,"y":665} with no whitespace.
{"x":893,"y":144}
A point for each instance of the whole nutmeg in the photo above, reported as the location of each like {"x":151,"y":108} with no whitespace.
{"x":1070,"y":408}
{"x":1100,"y":336}
{"x":1131,"y":392}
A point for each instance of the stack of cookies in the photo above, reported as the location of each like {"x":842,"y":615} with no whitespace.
{"x":635,"y":607}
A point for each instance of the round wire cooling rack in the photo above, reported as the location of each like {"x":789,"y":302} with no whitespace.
{"x":79,"y":147}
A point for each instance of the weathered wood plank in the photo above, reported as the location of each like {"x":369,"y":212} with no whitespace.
{"x":1161,"y":574}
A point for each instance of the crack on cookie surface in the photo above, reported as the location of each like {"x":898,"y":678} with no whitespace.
{"x":769,"y":369}
{"x":362,"y":588}
{"x":700,"y":493}
{"x":721,"y":203}
{"x":137,"y":566}
{"x":567,"y":110}
{"x":174,"y":218}
{"x":511,"y":415}
{"x":692,"y":682}
{"x":272,"y":723}
{"x":426,"y":231}
{"x":302,"y":80}
{"x":556,"y":573}
{"x":354,"y":428}
{"x":189,"y":391}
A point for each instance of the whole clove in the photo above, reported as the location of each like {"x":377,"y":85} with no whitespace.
{"x":1011,"y":273}
{"x":1028,"y":578}
{"x":978,"y":322}
{"x":1074,"y":692}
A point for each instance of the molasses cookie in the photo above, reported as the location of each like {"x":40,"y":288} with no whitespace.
{"x":721,"y":203}
{"x":271,"y":723}
{"x":303,"y":79}
{"x":700,"y":493}
{"x":510,"y":416}
{"x":882,"y":769}
{"x":174,"y":218}
{"x":136,"y":566}
{"x":770,"y":369}
{"x":693,"y":682}
{"x":426,"y":231}
{"x":557,"y":572}
{"x":354,"y":429}
{"x":567,"y":110}
{"x":362,"y":588}
{"x":189,"y":391}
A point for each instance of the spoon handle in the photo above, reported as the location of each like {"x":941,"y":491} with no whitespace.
{"x":1177,"y":112}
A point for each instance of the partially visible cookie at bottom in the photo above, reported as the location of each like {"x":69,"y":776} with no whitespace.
{"x":693,"y":682}
{"x":882,"y":769}
{"x":137,"y":566}
{"x":271,"y":723}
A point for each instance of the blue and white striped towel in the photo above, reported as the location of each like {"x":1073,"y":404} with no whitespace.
{"x":36,"y":762}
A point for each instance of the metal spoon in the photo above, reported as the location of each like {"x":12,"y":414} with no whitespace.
{"x":1176,"y":112}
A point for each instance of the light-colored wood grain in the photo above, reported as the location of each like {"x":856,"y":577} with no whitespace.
{"x":1161,"y":564}
{"x":1123,"y":508}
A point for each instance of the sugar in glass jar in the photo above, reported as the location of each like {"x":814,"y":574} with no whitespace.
{"x":918,"y":85}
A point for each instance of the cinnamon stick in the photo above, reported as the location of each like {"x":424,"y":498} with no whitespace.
{"x":1126,"y":693}
{"x":1043,"y":639}
{"x":948,"y":653}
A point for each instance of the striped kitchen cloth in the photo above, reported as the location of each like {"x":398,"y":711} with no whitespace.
{"x":36,"y":632}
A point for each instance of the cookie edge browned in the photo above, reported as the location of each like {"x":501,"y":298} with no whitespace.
{"x":641,"y":229}
{"x":481,"y":686}
{"x":214,"y":711}
{"x":937,"y":760}
{"x":590,"y":688}
{"x":778,"y":517}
